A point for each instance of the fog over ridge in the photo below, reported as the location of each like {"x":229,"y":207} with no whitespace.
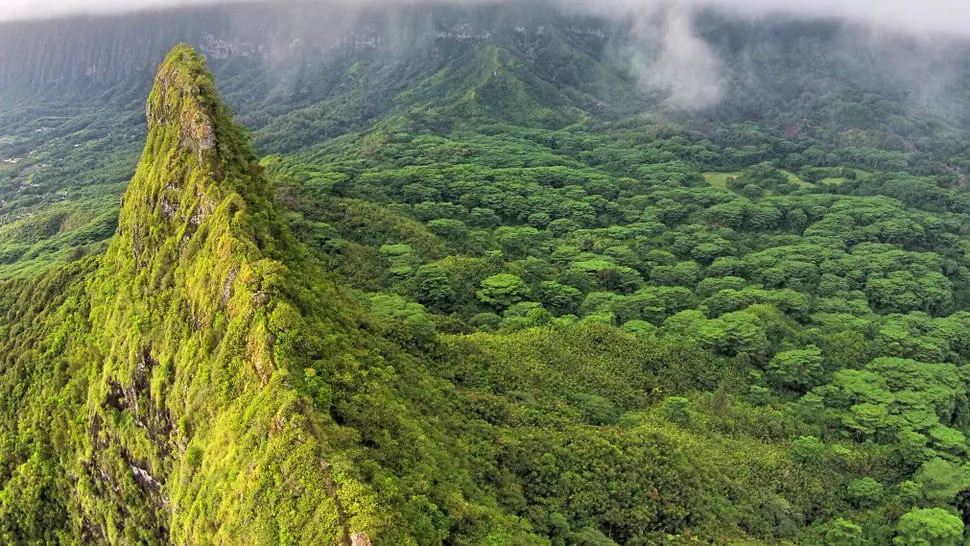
{"x":665,"y":51}
{"x":947,"y":16}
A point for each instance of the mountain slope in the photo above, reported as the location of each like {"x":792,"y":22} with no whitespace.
{"x":181,"y":407}
{"x":191,"y":285}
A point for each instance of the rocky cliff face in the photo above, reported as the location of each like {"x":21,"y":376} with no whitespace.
{"x":38,"y":55}
{"x":101,"y":52}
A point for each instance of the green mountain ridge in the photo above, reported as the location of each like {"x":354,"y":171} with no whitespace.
{"x":512,"y":303}
{"x":159,"y":386}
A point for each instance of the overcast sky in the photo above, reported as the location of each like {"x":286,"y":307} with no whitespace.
{"x":951,"y":16}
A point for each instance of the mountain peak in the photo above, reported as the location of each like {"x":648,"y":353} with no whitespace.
{"x":185,"y":98}
{"x":195,"y":158}
{"x":195,"y":312}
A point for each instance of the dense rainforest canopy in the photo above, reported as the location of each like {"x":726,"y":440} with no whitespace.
{"x":478,"y":296}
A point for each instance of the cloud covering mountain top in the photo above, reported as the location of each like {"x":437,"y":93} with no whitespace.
{"x":948,"y":16}
{"x":666,"y":53}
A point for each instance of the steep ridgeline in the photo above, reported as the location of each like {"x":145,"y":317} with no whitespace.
{"x":154,"y":404}
{"x":202,"y":330}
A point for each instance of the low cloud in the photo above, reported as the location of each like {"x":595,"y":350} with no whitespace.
{"x":667,"y":56}
{"x":665,"y":52}
{"x":948,"y":16}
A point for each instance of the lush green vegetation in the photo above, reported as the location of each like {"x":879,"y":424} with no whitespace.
{"x":766,"y":327}
{"x":484,"y":312}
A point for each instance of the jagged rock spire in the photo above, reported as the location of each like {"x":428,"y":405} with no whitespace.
{"x":195,"y":157}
